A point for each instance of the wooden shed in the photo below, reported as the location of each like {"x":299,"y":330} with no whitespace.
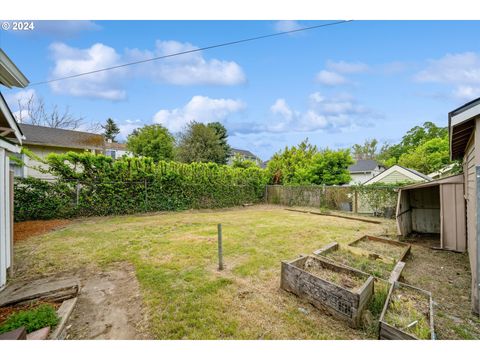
{"x":436,"y":208}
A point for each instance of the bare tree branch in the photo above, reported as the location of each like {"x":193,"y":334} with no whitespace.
{"x":33,"y":111}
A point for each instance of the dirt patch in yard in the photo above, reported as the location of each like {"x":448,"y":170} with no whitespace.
{"x":447,"y":276}
{"x":26,"y":229}
{"x":109,"y":307}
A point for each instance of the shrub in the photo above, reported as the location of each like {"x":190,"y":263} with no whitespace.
{"x":90,"y":184}
{"x":42,"y":316}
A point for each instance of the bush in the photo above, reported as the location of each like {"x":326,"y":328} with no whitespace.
{"x":90,"y":184}
{"x":33,"y":319}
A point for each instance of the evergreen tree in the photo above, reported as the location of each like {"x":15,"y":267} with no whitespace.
{"x":111,"y":130}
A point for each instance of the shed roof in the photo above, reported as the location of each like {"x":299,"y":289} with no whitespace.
{"x":454,"y":179}
{"x":46,"y":136}
{"x":363,"y":166}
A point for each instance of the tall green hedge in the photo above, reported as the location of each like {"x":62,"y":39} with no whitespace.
{"x":88,"y":184}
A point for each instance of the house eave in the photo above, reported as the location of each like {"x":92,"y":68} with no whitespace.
{"x":10,"y":75}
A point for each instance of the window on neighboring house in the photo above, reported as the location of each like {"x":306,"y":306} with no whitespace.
{"x":111,"y":153}
{"x":18,"y":169}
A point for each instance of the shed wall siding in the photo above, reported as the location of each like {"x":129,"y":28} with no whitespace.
{"x":469,"y":163}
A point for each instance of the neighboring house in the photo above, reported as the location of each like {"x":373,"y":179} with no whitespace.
{"x":116,"y":150}
{"x":393,"y":175}
{"x":364,"y":170}
{"x":245,"y":155}
{"x":10,"y":136}
{"x":42,"y":140}
{"x":398,"y":174}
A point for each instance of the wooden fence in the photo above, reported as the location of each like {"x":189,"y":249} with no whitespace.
{"x":331,"y":197}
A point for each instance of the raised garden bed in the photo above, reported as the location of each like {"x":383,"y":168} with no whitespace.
{"x":345,"y":256}
{"x":341,"y":291}
{"x":407,"y":314}
{"x":382,"y":247}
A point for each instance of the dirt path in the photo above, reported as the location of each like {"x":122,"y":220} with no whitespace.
{"x":109,"y":307}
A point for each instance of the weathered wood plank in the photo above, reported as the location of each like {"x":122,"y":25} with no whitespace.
{"x":342,"y":303}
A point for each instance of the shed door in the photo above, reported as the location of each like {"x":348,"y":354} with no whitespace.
{"x":453,"y":234}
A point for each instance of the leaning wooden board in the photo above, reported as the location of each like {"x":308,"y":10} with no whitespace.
{"x":390,"y":332}
{"x":342,"y":303}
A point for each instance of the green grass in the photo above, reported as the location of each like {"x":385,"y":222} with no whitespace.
{"x":408,"y":307}
{"x":175,"y":258}
{"x":33,"y":319}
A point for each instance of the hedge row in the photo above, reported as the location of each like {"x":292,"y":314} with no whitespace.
{"x":88,"y":185}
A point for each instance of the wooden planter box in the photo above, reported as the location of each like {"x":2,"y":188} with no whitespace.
{"x":332,"y":247}
{"x":390,"y":332}
{"x":339,"y":301}
{"x":401,"y":248}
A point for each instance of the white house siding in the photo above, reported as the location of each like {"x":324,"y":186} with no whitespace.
{"x":42,"y":152}
{"x":469,"y":164}
{"x":5,"y":223}
{"x":395,"y":177}
{"x":360,"y":178}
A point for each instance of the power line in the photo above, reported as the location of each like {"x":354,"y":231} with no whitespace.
{"x":191,"y":51}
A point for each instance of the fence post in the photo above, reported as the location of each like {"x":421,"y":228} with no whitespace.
{"x":146,"y":198}
{"x":77,"y":192}
{"x":355,"y":199}
{"x":220,"y":248}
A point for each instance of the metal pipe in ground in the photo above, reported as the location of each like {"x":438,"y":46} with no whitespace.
{"x":220,"y":248}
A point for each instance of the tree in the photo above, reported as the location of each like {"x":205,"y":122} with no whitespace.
{"x":33,"y":111}
{"x":223,"y":138}
{"x":367,"y":151}
{"x":290,"y":166}
{"x":305,"y":164}
{"x":201,"y":143}
{"x":331,"y":167}
{"x":154,"y":141}
{"x":430,"y":156}
{"x":416,"y":136}
{"x":111,"y":130}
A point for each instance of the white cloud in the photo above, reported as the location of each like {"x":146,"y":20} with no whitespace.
{"x":187,"y":69}
{"x":331,"y":114}
{"x":126,"y":127}
{"x":461,"y":71}
{"x":345,"y":67}
{"x":287,"y":25}
{"x":71,"y":61}
{"x":200,"y":109}
{"x":330,"y":78}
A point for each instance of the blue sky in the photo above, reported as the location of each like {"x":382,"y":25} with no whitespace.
{"x":337,"y":85}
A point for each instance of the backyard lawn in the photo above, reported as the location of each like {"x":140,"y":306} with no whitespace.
{"x":174,"y":257}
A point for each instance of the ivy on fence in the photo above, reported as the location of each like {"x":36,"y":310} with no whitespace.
{"x":86,"y":184}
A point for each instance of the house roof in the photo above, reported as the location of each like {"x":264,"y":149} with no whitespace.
{"x":9,"y":129}
{"x":115,"y":146}
{"x":244,"y":153}
{"x":461,"y":123}
{"x":410,"y":173}
{"x":46,"y":136}
{"x":363,"y":166}
{"x":10,"y":75}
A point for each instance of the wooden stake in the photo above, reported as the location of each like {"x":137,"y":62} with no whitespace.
{"x":220,"y":249}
